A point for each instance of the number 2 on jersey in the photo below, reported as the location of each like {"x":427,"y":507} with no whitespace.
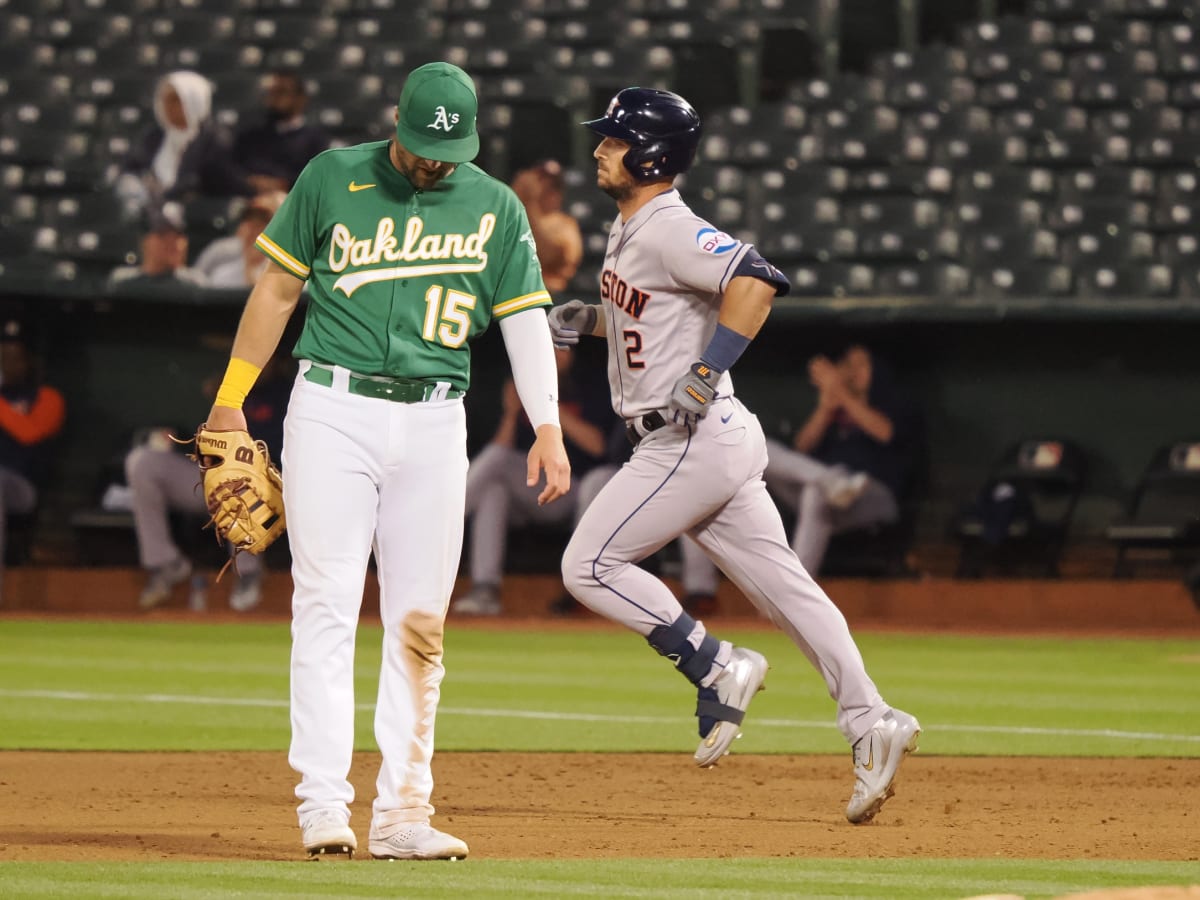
{"x":447,"y":322}
{"x":633,"y":346}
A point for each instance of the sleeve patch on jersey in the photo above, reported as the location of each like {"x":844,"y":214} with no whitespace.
{"x":715,"y":242}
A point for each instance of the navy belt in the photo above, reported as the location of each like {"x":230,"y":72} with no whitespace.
{"x":398,"y":390}
{"x":636,"y":429}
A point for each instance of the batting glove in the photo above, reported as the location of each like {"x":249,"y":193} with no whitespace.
{"x":692,"y":394}
{"x":570,"y":320}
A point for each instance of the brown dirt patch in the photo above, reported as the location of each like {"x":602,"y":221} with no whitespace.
{"x":206,"y":806}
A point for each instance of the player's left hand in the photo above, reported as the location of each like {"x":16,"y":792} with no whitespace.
{"x":549,"y":455}
{"x":693,"y":394}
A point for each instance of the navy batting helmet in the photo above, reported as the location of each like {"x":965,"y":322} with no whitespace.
{"x":661,"y":128}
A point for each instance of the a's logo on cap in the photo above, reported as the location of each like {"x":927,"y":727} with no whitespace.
{"x":443,"y":120}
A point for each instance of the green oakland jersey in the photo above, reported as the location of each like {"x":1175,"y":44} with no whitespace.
{"x":401,"y":280}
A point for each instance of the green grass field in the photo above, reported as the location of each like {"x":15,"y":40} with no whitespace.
{"x":198,"y":686}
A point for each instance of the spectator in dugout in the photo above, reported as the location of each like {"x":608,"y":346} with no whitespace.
{"x":271,"y":152}
{"x":555,"y":231}
{"x":234,"y":261}
{"x":163,"y":256}
{"x":498,"y":495}
{"x":185,"y":154}
{"x":163,"y":479}
{"x":31,"y":415}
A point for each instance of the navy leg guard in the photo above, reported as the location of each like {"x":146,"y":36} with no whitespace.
{"x":672,"y":642}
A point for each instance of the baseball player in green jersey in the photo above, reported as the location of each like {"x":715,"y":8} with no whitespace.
{"x":408,"y":252}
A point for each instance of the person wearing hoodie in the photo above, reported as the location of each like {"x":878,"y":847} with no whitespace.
{"x":185,"y":154}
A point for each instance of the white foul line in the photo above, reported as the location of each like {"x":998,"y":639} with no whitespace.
{"x":265,"y":702}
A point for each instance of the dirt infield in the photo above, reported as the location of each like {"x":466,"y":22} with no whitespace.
{"x":231,"y":806}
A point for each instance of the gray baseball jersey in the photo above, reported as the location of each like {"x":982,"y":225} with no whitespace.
{"x":664,"y":275}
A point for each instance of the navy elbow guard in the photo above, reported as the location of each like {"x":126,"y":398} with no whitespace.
{"x":754,"y":266}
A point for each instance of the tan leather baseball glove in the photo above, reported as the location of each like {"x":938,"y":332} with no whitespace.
{"x":242,"y":487}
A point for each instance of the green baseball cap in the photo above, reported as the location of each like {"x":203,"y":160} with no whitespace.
{"x":437,"y":114}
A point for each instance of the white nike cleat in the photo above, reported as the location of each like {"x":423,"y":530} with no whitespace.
{"x":722,"y":706}
{"x":327,"y":832}
{"x":415,"y":840}
{"x":877,"y":757}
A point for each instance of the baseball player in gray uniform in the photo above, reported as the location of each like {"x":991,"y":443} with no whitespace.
{"x":680,"y":301}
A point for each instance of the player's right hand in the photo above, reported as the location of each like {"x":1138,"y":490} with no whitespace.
{"x":550,"y":456}
{"x":571,"y":319}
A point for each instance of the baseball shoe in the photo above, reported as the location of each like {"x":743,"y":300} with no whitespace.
{"x":842,"y":491}
{"x":247,"y":593}
{"x":481,"y":600}
{"x":877,"y":757}
{"x":722,"y":706}
{"x":162,"y":581}
{"x":415,"y":840}
{"x":327,"y":832}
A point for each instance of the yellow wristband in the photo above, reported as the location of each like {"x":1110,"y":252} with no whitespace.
{"x":239,"y":378}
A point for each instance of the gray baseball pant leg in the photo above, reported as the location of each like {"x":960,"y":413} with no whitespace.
{"x":747,"y":540}
{"x":796,"y":480}
{"x":497,"y":499}
{"x":699,"y":573}
{"x":161,"y":481}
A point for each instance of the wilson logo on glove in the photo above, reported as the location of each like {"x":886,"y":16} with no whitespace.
{"x":243,"y":489}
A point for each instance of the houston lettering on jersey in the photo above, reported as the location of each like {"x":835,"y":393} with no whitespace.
{"x":347,"y":251}
{"x":622,"y":294}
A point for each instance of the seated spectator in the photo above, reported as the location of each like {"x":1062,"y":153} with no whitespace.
{"x":272,"y":152}
{"x":849,"y":463}
{"x":555,"y":231}
{"x":234,"y":261}
{"x":186,"y":154}
{"x":163,"y":479}
{"x":31,"y":414}
{"x":164,"y":252}
{"x":498,"y":497}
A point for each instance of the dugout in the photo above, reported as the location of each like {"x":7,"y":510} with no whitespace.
{"x":1119,"y":377}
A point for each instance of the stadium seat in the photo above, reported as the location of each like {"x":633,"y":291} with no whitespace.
{"x":1023,"y":511}
{"x":1105,"y":181}
{"x":902,"y":179}
{"x":798,"y":242}
{"x":1102,"y":246}
{"x":1030,"y":279}
{"x":1162,"y":518}
{"x":924,"y":280}
{"x":1179,"y":251}
{"x":1004,"y":184}
{"x":831,"y":280}
{"x":292,"y":30}
{"x":1127,"y":281}
{"x":990,"y":249}
{"x":186,"y":28}
{"x":1033,"y":122}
